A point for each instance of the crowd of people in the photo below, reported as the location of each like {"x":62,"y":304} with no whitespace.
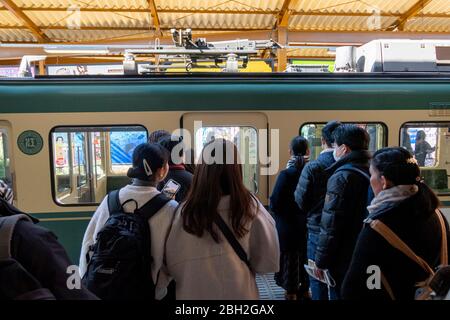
{"x":210,"y":236}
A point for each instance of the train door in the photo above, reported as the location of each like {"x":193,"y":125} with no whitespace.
{"x":242,"y":128}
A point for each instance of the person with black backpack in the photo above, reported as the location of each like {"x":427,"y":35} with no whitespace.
{"x":123,"y":246}
{"x":33,"y":264}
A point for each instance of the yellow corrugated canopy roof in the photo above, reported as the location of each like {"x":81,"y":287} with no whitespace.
{"x":94,"y":20}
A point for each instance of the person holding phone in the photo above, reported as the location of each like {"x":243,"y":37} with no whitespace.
{"x":181,"y":178}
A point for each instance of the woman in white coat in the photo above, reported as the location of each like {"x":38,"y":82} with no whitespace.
{"x":150,"y":167}
{"x":198,"y":255}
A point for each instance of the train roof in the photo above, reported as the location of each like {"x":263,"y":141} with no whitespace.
{"x":230,"y":77}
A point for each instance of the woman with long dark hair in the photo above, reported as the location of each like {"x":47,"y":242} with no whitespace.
{"x":291,"y":224}
{"x":407,"y":206}
{"x":199,"y":256}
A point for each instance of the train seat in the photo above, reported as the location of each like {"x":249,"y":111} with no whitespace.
{"x":116,"y":182}
{"x":437,"y":179}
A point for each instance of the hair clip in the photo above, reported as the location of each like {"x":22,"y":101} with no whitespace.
{"x":148,"y":170}
{"x":411,"y":161}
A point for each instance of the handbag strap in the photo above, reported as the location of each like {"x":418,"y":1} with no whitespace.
{"x":232,"y":240}
{"x":398,"y":243}
{"x":444,"y":249}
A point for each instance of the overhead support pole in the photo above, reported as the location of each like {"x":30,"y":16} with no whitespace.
{"x":284,"y":14}
{"x":155,"y":17}
{"x":18,"y":13}
{"x":399,"y":23}
{"x":281,"y":28}
{"x":282,"y":39}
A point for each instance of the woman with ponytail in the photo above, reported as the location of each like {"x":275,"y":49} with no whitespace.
{"x":291,"y":224}
{"x":405,"y":204}
{"x":149,"y":168}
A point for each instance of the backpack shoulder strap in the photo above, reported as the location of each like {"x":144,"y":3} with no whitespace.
{"x":350,"y":167}
{"x":232,"y":240}
{"x":114,"y":202}
{"x":444,"y":249}
{"x":7,"y":225}
{"x":398,"y":244}
{"x":152,"y":206}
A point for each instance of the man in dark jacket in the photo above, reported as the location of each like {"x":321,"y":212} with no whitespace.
{"x":41,"y":255}
{"x":345,"y":204}
{"x":310,"y":195}
{"x":177,"y":170}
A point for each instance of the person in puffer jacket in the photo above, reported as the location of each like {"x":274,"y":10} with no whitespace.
{"x":345,"y":204}
{"x":310,"y":195}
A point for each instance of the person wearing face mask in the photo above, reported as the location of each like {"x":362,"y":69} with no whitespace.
{"x":310,"y":195}
{"x":345,"y":205}
{"x":407,"y":206}
{"x":150,"y":167}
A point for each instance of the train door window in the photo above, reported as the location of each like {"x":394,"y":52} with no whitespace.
{"x":5,"y":165}
{"x":429,"y":142}
{"x":313,"y":132}
{"x":88,"y":162}
{"x":121,"y":146}
{"x":245,"y":139}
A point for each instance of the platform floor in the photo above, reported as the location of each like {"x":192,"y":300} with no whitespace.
{"x":268,"y":289}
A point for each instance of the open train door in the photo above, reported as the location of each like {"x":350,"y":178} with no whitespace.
{"x":248,"y":130}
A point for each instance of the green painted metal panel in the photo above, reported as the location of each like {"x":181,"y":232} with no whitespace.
{"x":240,"y":94}
{"x":70,"y":235}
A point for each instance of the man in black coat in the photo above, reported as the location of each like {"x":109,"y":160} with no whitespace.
{"x":345,"y":203}
{"x":310,"y":195}
{"x":38,"y":251}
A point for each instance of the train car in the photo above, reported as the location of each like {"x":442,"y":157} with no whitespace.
{"x":66,"y":142}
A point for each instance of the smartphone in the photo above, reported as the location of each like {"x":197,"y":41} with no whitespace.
{"x":171,"y":188}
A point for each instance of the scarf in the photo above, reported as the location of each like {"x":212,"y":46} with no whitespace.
{"x":296,"y":161}
{"x":389,"y":198}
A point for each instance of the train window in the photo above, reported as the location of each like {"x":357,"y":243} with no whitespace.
{"x":429,"y":142}
{"x":5,"y":172}
{"x":313,"y":131}
{"x":88,"y":162}
{"x":121,"y":149}
{"x":246,"y":140}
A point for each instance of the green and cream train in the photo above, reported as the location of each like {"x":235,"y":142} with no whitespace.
{"x":66,"y":142}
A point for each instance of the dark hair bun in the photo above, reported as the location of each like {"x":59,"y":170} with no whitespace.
{"x":397,"y":165}
{"x":147,"y":159}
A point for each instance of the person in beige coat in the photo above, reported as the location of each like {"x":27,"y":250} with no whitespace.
{"x":198,"y":256}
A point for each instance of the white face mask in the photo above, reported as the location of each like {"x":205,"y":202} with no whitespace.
{"x":335,"y":156}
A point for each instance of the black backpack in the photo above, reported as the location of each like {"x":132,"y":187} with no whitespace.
{"x":16,"y":283}
{"x":120,"y":266}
